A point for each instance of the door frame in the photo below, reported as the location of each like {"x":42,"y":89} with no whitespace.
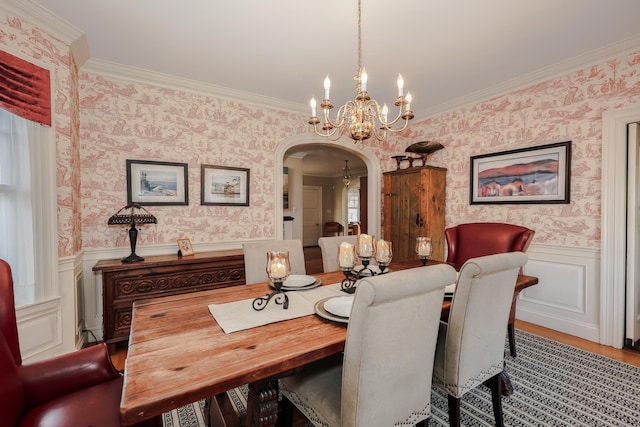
{"x":365,"y":153}
{"x":613,"y":240}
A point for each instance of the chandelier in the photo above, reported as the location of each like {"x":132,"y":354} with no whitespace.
{"x":363,"y":116}
{"x":346,"y":174}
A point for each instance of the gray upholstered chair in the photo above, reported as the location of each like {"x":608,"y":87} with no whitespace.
{"x":255,"y":258}
{"x":470,"y":347}
{"x":329,"y":249}
{"x":384,"y":377}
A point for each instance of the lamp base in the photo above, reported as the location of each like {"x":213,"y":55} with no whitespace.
{"x":132,"y":258}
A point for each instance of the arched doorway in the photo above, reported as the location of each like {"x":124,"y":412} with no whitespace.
{"x":365,"y":154}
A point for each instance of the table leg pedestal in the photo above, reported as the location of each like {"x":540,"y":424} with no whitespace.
{"x":262,"y":403}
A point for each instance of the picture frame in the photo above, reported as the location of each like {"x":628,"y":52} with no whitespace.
{"x":152,"y":183}
{"x":540,"y":174}
{"x":185,"y":247}
{"x":224,"y":186}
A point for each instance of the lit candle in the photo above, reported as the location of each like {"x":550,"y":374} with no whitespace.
{"x":365,"y":245}
{"x":400,"y":85}
{"x":313,"y":106}
{"x":408,"y":98}
{"x":382,"y":252}
{"x":327,"y":85}
{"x":363,"y":79}
{"x":278,"y":270}
{"x":424,"y":246}
{"x":346,"y":257}
{"x":385,"y":111}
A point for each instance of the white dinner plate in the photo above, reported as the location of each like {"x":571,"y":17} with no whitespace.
{"x":316,"y":282}
{"x":298,"y":281}
{"x":339,"y":306}
{"x":322,"y":312}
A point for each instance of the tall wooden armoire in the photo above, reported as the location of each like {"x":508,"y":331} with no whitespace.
{"x":414,"y":202}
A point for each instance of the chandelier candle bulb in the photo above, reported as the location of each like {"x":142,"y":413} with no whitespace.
{"x":327,"y":86}
{"x":408,"y":98}
{"x":400,"y":85}
{"x":346,"y":257}
{"x":313,"y":106}
{"x":363,"y":79}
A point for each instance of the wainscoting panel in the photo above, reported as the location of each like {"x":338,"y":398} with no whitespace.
{"x":567,"y":297}
{"x":39,"y":328}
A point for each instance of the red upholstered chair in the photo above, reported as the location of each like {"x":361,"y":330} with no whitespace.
{"x":477,"y":239}
{"x":81,"y":388}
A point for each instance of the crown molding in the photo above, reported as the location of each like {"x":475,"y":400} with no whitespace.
{"x":548,"y":73}
{"x":52,"y":24}
{"x":127,"y":73}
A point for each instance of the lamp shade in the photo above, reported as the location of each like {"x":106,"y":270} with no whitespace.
{"x":128,"y":216}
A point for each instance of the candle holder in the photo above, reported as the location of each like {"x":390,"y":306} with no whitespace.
{"x":383,"y":254}
{"x":348,"y":284}
{"x":424,"y":249}
{"x":346,"y":261}
{"x":278,"y":269}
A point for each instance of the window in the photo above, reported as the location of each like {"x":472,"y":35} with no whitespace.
{"x":27,"y":206}
{"x":353,"y":205}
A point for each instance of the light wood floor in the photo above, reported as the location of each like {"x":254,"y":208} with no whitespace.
{"x":631,"y":357}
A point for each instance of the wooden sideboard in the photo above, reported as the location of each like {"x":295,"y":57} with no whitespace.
{"x":162,"y":275}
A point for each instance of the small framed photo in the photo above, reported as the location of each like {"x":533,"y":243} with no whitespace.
{"x":157,"y":183}
{"x":224,"y":186}
{"x":540,"y":174}
{"x":185,"y":247}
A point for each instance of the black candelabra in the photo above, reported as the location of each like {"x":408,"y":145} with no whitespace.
{"x":351,"y":276}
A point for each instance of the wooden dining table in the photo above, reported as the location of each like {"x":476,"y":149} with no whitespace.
{"x":178,"y":354}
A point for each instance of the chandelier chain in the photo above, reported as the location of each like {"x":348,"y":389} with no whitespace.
{"x":359,"y":36}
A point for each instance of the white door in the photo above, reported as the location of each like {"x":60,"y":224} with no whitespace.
{"x":311,"y":214}
{"x":632,"y":327}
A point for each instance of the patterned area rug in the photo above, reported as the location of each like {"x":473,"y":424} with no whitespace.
{"x":554,"y":385}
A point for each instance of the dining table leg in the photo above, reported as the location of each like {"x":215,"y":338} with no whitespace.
{"x":262,"y":403}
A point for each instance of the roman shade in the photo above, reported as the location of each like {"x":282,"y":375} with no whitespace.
{"x":25,"y":89}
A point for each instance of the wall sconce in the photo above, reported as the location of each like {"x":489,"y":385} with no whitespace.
{"x":132,"y":219}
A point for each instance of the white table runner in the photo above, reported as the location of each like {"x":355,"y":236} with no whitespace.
{"x":240,"y":315}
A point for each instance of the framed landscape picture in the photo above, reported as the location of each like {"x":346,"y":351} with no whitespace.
{"x":539,"y":174}
{"x":157,"y":183}
{"x":224,"y":186}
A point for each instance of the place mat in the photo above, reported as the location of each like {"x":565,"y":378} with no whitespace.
{"x":240,"y":315}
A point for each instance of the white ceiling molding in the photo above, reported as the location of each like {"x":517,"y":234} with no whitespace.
{"x":124,"y":72}
{"x":53,"y":24}
{"x":544,"y":74}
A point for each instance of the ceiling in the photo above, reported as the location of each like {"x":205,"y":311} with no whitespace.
{"x":283,"y":49}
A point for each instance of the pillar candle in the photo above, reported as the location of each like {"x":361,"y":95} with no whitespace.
{"x":346,"y":257}
{"x":382,"y":253}
{"x":365,"y":245}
